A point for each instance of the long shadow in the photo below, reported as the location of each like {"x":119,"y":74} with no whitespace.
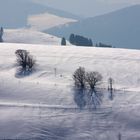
{"x":111,"y":94}
{"x":94,"y":98}
{"x":90,"y":99}
{"x":79,"y":97}
{"x":21,"y":73}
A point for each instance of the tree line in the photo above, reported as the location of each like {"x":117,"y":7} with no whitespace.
{"x":79,"y":40}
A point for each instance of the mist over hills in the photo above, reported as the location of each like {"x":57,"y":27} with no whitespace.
{"x":120,"y":28}
{"x":51,"y":89}
{"x":14,"y":13}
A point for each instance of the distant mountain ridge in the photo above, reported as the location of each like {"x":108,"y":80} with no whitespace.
{"x":119,"y":28}
{"x":14,"y":13}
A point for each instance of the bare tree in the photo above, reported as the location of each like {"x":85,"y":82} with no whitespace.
{"x":79,"y":77}
{"x":93,"y":79}
{"x":110,"y":88}
{"x":25,"y":61}
{"x":110,"y":83}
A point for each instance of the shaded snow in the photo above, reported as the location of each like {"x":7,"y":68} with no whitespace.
{"x":45,"y":106}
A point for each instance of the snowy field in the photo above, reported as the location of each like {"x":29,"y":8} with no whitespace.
{"x":44,"y":105}
{"x":27,"y":36}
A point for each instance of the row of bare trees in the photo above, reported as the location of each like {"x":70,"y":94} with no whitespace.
{"x":91,"y":79}
{"x":83,"y":79}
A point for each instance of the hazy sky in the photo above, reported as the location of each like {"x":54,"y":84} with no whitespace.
{"x":88,"y":7}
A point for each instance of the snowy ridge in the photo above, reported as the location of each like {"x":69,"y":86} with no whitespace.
{"x":27,"y":36}
{"x":46,"y":21}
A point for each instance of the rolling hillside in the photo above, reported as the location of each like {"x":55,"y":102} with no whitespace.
{"x":120,"y":28}
{"x":27,"y":36}
{"x":44,"y":105}
{"x":16,"y":13}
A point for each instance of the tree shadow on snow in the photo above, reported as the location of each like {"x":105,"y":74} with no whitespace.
{"x":21,"y":73}
{"x":89,"y":99}
{"x":79,"y":97}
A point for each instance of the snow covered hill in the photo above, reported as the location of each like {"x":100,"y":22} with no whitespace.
{"x":15,"y":13}
{"x":44,"y":105}
{"x":46,"y":21}
{"x":27,"y":36}
{"x":119,"y":28}
{"x":120,"y":64}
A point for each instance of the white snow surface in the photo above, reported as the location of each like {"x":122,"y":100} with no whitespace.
{"x":44,"y":105}
{"x":28,"y":36}
{"x":46,"y":21}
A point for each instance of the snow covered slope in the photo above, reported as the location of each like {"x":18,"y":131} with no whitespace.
{"x":120,"y":64}
{"x":27,"y":36}
{"x":46,"y":21}
{"x":44,"y":105}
